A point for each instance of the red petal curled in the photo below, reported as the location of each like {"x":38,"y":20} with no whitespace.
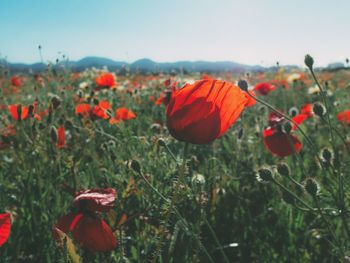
{"x":5,"y":227}
{"x":101,"y":200}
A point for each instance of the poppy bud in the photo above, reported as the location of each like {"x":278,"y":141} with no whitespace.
{"x":283,"y":169}
{"x":161,"y":142}
{"x":96,"y":101}
{"x":327,"y":154}
{"x":319,"y":109}
{"x":243,"y":85}
{"x":134,"y":165}
{"x":311,"y":186}
{"x":56,"y":102}
{"x":309,"y":61}
{"x":293,"y":111}
{"x":287,"y":127}
{"x":53,"y":134}
{"x":264,"y":175}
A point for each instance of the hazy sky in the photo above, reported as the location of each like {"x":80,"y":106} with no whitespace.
{"x":246,"y":31}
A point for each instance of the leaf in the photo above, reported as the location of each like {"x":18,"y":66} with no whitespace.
{"x":64,"y":239}
{"x":123,"y":219}
{"x":129,"y":188}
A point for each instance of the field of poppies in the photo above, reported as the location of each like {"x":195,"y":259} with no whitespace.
{"x":101,"y":166}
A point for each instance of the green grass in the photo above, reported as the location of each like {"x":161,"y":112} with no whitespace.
{"x":253,"y":222}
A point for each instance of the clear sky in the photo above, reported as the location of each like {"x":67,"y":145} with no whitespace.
{"x":245,"y":31}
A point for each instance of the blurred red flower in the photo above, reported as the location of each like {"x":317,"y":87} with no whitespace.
{"x":105,"y":80}
{"x":122,"y":114}
{"x":5,"y":227}
{"x":307,"y":109}
{"x":201,"y":112}
{"x":18,"y":112}
{"x":101,"y":109}
{"x":280,"y":143}
{"x":344,"y":117}
{"x":61,"y":137}
{"x":16,"y":81}
{"x":277,"y":141}
{"x":83,"y":109}
{"x":306,"y":113}
{"x":264,"y":88}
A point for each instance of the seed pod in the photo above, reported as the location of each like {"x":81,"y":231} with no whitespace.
{"x":293,"y":111}
{"x":56,"y":102}
{"x":319,"y":109}
{"x":134,"y":165}
{"x":161,"y":142}
{"x":311,"y":187}
{"x":264,"y":175}
{"x":283,"y":169}
{"x":327,"y":154}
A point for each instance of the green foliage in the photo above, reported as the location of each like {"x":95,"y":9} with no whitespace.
{"x":213,"y":206}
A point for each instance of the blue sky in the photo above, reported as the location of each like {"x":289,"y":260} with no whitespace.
{"x":249,"y":31}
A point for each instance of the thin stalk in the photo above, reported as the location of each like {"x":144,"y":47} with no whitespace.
{"x":293,"y":194}
{"x":216,"y":240}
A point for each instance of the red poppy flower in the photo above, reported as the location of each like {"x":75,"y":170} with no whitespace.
{"x":122,"y":114}
{"x":264,"y":88}
{"x":344,"y":117}
{"x":87,"y":227}
{"x":307,"y":109}
{"x":201,"y":112}
{"x":299,"y":119}
{"x":5,"y":227}
{"x":277,"y":141}
{"x":105,"y":80}
{"x":101,"y":109}
{"x":280,"y":143}
{"x":61,"y":137}
{"x":83,"y":109}
{"x":101,"y":200}
{"x":16,"y":81}
{"x":306,"y":112}
{"x":89,"y":230}
{"x":16,"y":110}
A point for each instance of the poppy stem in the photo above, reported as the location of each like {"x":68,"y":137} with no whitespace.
{"x":340,"y":136}
{"x":293,"y":194}
{"x":330,"y":230}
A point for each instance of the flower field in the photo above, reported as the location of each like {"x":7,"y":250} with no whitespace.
{"x":100,"y":166}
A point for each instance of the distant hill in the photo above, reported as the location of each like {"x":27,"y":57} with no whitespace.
{"x":141,"y":65}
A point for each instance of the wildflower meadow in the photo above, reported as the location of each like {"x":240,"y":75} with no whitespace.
{"x":111,"y":166}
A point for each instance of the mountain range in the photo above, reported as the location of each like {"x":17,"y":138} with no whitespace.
{"x":146,"y":65}
{"x":141,"y":65}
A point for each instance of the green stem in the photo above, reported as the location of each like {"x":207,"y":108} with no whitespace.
{"x":293,"y":194}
